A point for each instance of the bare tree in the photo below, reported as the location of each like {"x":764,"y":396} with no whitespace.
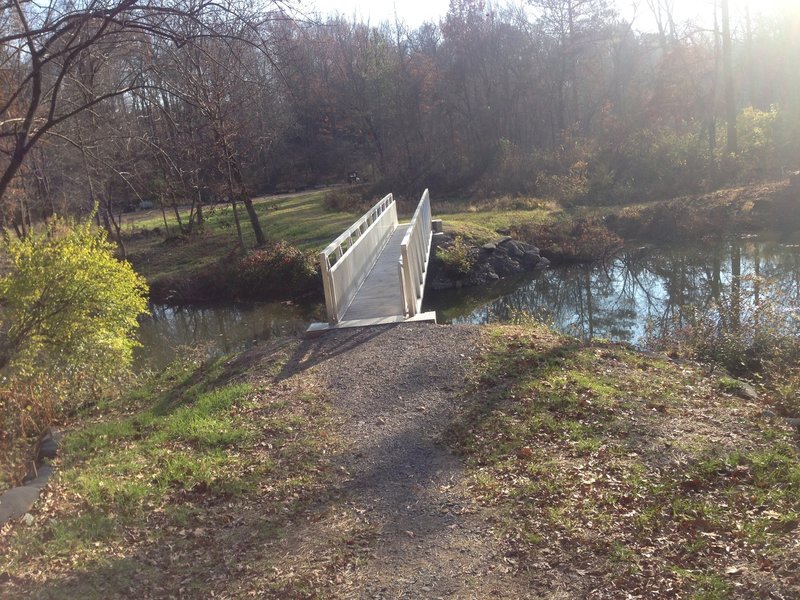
{"x":727,"y":67}
{"x":46,"y":44}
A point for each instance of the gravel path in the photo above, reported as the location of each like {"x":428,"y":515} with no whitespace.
{"x":395,"y":390}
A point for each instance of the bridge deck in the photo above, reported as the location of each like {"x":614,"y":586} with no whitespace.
{"x":394,"y":258}
{"x":378,"y":296}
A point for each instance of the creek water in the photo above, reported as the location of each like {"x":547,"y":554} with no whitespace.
{"x":618,"y":299}
{"x":216,"y":330}
{"x":639,"y":289}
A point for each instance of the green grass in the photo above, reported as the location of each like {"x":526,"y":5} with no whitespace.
{"x":479,"y":220}
{"x":306,"y":222}
{"x":638,"y":462}
{"x":303,"y":220}
{"x":201,"y":459}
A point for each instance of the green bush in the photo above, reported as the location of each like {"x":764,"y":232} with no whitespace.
{"x":70,"y":312}
{"x":276,"y":270}
{"x":457,"y":258}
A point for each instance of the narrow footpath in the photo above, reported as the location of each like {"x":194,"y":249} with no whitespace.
{"x":394,"y":390}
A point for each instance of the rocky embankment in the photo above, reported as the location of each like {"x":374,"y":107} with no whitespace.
{"x":502,"y":258}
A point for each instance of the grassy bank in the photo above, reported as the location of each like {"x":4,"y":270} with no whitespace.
{"x":189,"y":486}
{"x":301,"y":219}
{"x":585,"y":233}
{"x":603,"y":471}
{"x":618,"y":472}
{"x":309,"y":221}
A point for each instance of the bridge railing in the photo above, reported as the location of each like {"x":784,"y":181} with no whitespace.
{"x":414,"y":255}
{"x":347,"y":260}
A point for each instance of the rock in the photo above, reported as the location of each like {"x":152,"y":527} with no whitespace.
{"x":48,"y":445}
{"x":531,"y":257}
{"x":794,"y":422}
{"x":503,"y":231}
{"x":17,"y":502}
{"x":496,"y":260}
{"x":27,"y":519}
{"x":769,"y":414}
{"x":515,"y":249}
{"x":43,"y":476}
{"x":746,"y":391}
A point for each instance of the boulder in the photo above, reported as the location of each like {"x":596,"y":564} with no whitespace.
{"x":48,"y":445}
{"x":503,"y":258}
{"x":515,"y":249}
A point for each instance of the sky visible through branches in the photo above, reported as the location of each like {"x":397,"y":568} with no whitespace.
{"x":416,"y":12}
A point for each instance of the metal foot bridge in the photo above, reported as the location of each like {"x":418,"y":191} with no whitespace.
{"x":374,"y":273}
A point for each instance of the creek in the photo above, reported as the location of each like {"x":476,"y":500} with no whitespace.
{"x":621,"y":299}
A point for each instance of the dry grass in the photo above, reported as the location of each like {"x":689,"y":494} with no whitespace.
{"x":625,"y":474}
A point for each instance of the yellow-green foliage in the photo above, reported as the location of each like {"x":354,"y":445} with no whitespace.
{"x":457,"y":257}
{"x":70,"y":307}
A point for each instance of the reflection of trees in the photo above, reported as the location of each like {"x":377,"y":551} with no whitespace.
{"x":657,"y":286}
{"x":218,"y":329}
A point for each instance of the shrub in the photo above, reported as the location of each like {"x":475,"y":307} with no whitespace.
{"x":567,"y":188}
{"x":346,"y":199}
{"x":275,"y":271}
{"x":278,"y":269}
{"x":67,"y":324}
{"x":457,"y":258}
{"x":582,"y":240}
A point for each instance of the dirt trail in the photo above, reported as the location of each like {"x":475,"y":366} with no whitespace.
{"x":394,"y":390}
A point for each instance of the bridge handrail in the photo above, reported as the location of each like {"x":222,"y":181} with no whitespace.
{"x":342,"y":279}
{"x":414,"y":255}
{"x":357,"y":228}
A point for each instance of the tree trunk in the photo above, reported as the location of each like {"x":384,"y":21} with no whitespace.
{"x":736,"y":285}
{"x":200,"y":218}
{"x":178,"y":217}
{"x":232,"y":198}
{"x":164,"y":215}
{"x":730,"y":93}
{"x":248,"y":204}
{"x":117,"y":225}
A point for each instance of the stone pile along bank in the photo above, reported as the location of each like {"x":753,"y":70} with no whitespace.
{"x":496,"y":260}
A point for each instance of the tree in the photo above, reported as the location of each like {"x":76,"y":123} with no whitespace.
{"x":575,"y":26}
{"x":46,"y":46}
{"x":727,"y":68}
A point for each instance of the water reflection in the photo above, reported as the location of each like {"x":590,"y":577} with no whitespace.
{"x":216,"y":329}
{"x":617,"y":300}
